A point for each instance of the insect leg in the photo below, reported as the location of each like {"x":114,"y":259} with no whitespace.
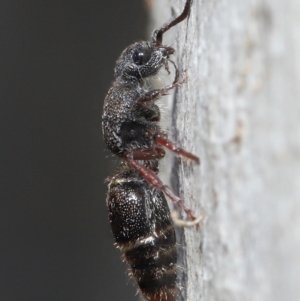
{"x":156,"y":182}
{"x":148,"y":153}
{"x":172,"y":147}
{"x":157,"y":93}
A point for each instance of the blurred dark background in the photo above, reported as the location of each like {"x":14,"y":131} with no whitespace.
{"x":57,"y":60}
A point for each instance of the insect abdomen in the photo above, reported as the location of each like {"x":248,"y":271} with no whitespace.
{"x":153,"y":264}
{"x":141,"y":223}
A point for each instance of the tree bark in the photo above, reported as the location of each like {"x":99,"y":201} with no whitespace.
{"x":240,"y":113}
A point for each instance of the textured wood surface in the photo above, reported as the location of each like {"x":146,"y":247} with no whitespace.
{"x":240,"y":113}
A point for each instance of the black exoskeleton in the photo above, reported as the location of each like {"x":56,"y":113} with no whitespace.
{"x":130,"y":116}
{"x":144,"y":232}
{"x":138,"y":211}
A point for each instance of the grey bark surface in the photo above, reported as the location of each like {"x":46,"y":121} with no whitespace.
{"x":240,"y":113}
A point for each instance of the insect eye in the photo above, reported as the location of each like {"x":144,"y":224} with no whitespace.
{"x":140,"y":57}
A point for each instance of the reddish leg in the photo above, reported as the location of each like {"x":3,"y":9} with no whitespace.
{"x":155,"y":181}
{"x":166,"y":297}
{"x":148,"y":153}
{"x":172,"y":147}
{"x":157,"y":93}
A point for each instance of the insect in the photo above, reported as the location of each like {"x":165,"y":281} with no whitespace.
{"x":144,"y":232}
{"x":138,"y":210}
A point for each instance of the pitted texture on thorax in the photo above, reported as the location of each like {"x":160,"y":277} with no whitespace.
{"x":126,"y":125}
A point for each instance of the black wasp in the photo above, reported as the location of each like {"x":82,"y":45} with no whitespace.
{"x":138,"y":211}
